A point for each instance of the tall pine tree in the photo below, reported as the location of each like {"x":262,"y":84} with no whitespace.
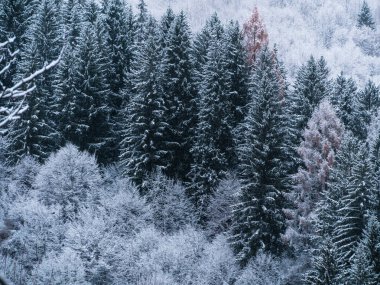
{"x":258,"y":218}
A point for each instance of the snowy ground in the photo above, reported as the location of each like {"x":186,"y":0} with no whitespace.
{"x":299,"y":28}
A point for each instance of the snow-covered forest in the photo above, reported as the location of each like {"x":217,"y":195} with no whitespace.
{"x":190,"y":142}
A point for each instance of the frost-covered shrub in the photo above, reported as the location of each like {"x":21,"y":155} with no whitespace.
{"x":128,"y":212}
{"x":36,"y":230}
{"x":217,"y":264}
{"x":220,"y":208}
{"x":60,"y":269}
{"x":172,"y":210}
{"x":24,"y":175}
{"x":69,"y":178}
{"x":368,"y":40}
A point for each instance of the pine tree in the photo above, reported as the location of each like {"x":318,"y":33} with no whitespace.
{"x":143,"y":145}
{"x":365,"y":269}
{"x":166,"y":22}
{"x":213,"y":28}
{"x":311,"y":86}
{"x":343,"y":99}
{"x":35,"y":133}
{"x":353,"y":207}
{"x":141,"y":21}
{"x":119,"y":49}
{"x":325,"y":268}
{"x":213,"y":138}
{"x":237,"y":74}
{"x":366,"y":106}
{"x":87,"y":123}
{"x":177,"y":83}
{"x":365,"y":18}
{"x":258,"y":219}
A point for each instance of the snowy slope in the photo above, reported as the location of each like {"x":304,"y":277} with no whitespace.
{"x":299,"y":28}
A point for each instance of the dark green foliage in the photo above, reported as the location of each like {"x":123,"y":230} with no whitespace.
{"x":35,"y":133}
{"x":325,"y":266}
{"x":311,"y":86}
{"x":258,"y":218}
{"x":143,"y":145}
{"x":365,"y":269}
{"x":365,"y":18}
{"x":213,"y":137}
{"x":179,"y":96}
{"x":366,"y":105}
{"x":343,"y":99}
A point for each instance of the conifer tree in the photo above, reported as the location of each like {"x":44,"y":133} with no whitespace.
{"x":179,"y":95}
{"x":365,"y":18}
{"x":213,"y":137}
{"x":258,"y":219}
{"x":353,"y":207}
{"x":35,"y":133}
{"x":366,"y":106}
{"x":311,"y":86}
{"x":143,"y":148}
{"x":237,"y":73}
{"x":365,"y":269}
{"x":343,"y":99}
{"x":325,"y":268}
{"x":202,"y":41}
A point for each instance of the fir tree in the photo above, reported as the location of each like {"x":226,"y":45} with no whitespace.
{"x":177,"y":83}
{"x":365,"y":269}
{"x":365,"y":18}
{"x":35,"y":133}
{"x":353,"y":207}
{"x":343,"y":99}
{"x":325,"y":268}
{"x":311,"y":86}
{"x":213,"y":137}
{"x":258,"y":219}
{"x":143,"y":145}
{"x":366,"y":106}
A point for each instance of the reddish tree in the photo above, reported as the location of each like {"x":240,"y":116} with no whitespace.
{"x":255,"y":36}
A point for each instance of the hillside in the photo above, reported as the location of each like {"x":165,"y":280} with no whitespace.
{"x":298,"y":28}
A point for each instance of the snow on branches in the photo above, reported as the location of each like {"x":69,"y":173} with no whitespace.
{"x":16,"y":92}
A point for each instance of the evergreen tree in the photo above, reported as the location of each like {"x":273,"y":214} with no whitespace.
{"x":353,"y":207}
{"x":35,"y":133}
{"x":237,"y":74}
{"x":325,"y":268}
{"x":213,"y":28}
{"x":366,"y":106}
{"x":258,"y":219}
{"x":213,"y":137}
{"x":311,"y":86}
{"x":143,"y":145}
{"x":177,"y":83}
{"x":166,"y":22}
{"x":343,"y":99}
{"x":365,"y":18}
{"x":85,"y":112}
{"x":365,"y":269}
{"x":141,"y":21}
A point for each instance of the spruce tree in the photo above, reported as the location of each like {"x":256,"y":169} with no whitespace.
{"x":366,"y":105}
{"x":343,"y":99}
{"x":179,"y":95}
{"x":325,"y":268}
{"x":213,"y":137}
{"x":365,"y":18}
{"x":311,"y":86}
{"x":143,"y":148}
{"x":365,"y":269}
{"x":353,"y":207}
{"x":258,"y":219}
{"x":35,"y":133}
